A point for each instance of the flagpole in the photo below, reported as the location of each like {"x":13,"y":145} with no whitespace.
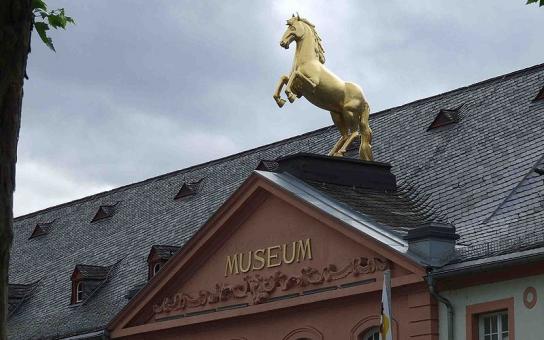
{"x":386,"y":332}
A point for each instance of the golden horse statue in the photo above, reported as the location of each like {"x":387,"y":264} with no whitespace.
{"x":311,"y":79}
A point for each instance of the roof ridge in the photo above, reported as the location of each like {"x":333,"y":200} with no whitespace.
{"x":171,"y":173}
{"x":262,"y":147}
{"x":477,"y":84}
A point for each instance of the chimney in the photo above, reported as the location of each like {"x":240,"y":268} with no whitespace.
{"x":434,"y":241}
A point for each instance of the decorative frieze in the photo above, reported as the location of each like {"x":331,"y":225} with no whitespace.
{"x":258,"y":288}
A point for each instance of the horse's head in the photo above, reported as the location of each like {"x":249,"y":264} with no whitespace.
{"x":294,"y":32}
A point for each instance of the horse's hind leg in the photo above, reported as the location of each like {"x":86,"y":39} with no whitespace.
{"x":342,"y":126}
{"x":365,"y":150}
{"x":351,"y":117}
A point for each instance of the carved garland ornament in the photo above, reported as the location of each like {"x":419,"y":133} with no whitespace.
{"x":258,"y":288}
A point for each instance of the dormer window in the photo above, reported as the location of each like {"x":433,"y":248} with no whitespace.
{"x":86,"y":280}
{"x":19,"y":293}
{"x":540,"y":95}
{"x":41,"y":229}
{"x":158,"y":256}
{"x":445,"y":117}
{"x":188,"y":189}
{"x":104,"y":211}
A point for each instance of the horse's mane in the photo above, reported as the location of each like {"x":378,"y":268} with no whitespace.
{"x":319,"y":50}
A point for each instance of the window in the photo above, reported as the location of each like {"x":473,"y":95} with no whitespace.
{"x":371,"y":334}
{"x":79,"y":292}
{"x":493,"y":326}
{"x":305,"y":333}
{"x":493,"y":320}
{"x":156,"y":268}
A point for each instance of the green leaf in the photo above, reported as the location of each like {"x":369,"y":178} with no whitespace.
{"x":39,"y":4}
{"x":57,"y":21}
{"x":42,"y":28}
{"x":51,"y":19}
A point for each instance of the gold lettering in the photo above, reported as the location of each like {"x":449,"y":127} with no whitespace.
{"x":303,"y":249}
{"x":258,"y":256}
{"x":232,"y":265}
{"x":270,"y":257}
{"x":293,"y":252}
{"x":246,"y":269}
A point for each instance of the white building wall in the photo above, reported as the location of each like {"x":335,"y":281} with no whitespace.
{"x":529,"y":323}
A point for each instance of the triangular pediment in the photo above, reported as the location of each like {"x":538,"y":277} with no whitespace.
{"x":263,"y":249}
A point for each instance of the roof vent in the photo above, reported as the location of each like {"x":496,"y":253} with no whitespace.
{"x":539,"y":170}
{"x":41,"y":229}
{"x":445,"y":117}
{"x":540,"y":95}
{"x":18,"y":293}
{"x":188,"y":189}
{"x":104,"y":211}
{"x":267,"y":165}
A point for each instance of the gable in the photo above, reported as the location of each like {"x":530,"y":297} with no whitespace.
{"x":263,"y":250}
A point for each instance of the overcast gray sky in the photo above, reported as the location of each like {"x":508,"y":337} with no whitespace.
{"x":140,"y":88}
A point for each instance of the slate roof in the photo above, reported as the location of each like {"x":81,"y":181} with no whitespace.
{"x":479,"y":171}
{"x":398,"y":211}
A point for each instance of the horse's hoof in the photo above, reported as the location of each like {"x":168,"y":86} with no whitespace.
{"x":281,"y":102}
{"x":291,"y":98}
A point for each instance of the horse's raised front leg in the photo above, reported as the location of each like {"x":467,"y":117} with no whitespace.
{"x":288,"y":90}
{"x":283,"y":80}
{"x":304,"y":84}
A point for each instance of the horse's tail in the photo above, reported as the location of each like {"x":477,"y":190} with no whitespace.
{"x":365,"y":150}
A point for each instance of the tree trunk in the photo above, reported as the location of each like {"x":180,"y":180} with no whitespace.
{"x":15,"y":29}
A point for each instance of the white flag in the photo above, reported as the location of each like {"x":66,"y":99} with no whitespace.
{"x":385,"y":327}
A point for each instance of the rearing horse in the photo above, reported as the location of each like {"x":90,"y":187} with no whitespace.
{"x":311,"y":79}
